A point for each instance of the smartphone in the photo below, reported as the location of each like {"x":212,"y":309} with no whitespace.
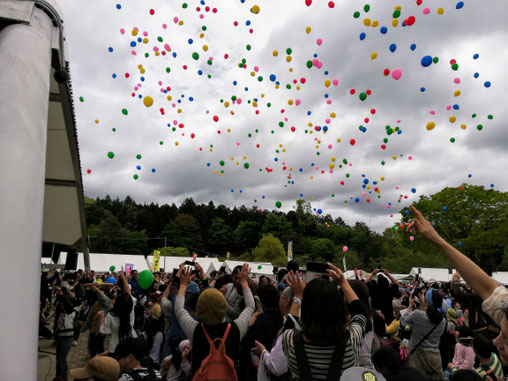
{"x":190,"y":263}
{"x":316,"y":270}
{"x":175,"y":272}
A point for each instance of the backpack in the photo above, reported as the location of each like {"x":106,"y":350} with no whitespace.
{"x":217,"y":365}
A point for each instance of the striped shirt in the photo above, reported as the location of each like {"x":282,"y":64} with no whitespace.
{"x":494,"y":364}
{"x":320,"y":356}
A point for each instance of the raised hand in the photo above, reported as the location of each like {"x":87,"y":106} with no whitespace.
{"x":424,"y":227}
{"x":336,"y":274}
{"x":185,"y":276}
{"x":296,"y":283}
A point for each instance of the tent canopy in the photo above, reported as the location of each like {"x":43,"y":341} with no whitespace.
{"x":437,"y":274}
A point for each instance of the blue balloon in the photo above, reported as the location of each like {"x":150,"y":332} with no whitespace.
{"x":276,"y":159}
{"x":138,"y":167}
{"x":362,"y":36}
{"x":272,"y":77}
{"x":413,"y":46}
{"x":476,"y":75}
{"x":301,"y":169}
{"x":492,"y":185}
{"x":364,"y":129}
{"x":456,"y":107}
{"x":393,"y":48}
{"x":445,"y":208}
{"x":460,"y":243}
{"x":413,"y":190}
{"x":365,"y":181}
{"x":133,"y":43}
{"x":118,"y":6}
{"x":247,"y":22}
{"x":301,"y":194}
{"x":326,"y":72}
{"x":325,"y":128}
{"x":315,"y":55}
{"x":407,"y":212}
{"x":114,"y":75}
{"x":153,"y":170}
{"x":475,"y":57}
{"x":426,"y":61}
{"x":383,"y":30}
{"x":319,"y":211}
{"x":459,"y":5}
{"x":200,"y":72}
{"x":111,"y":280}
{"x":422,"y":89}
{"x":190,"y":41}
{"x":357,"y":200}
{"x":470,"y":175}
{"x":487,"y":84}
{"x":110,"y":49}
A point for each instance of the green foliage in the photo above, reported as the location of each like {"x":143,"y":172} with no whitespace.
{"x":475,"y":221}
{"x":270,"y":249}
{"x":174,"y":251}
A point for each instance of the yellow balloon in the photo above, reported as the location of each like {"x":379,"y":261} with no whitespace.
{"x":148,"y":101}
{"x":373,"y":56}
{"x":375,"y":24}
{"x":452,"y":119}
{"x":275,"y":53}
{"x":328,"y":83}
{"x":463,"y":126}
{"x":440,"y":11}
{"x":255,"y":9}
{"x":456,"y":93}
{"x":99,"y":280}
{"x":307,"y":30}
{"x":289,"y":59}
{"x":430,"y":126}
{"x":134,"y":32}
{"x":205,"y":48}
{"x":395,"y":22}
{"x":332,"y":166}
{"x":366,"y":21}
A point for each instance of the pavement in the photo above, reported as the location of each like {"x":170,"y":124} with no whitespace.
{"x":46,"y":364}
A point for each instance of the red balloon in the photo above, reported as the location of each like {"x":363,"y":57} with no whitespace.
{"x":308,"y":2}
{"x":373,"y":111}
{"x":452,"y":61}
{"x":215,"y":118}
{"x":386,"y":72}
{"x":331,"y":4}
{"x":352,"y":142}
{"x":418,"y":2}
{"x":88,"y":171}
{"x":352,"y":91}
{"x":410,"y":20}
{"x":368,"y":92}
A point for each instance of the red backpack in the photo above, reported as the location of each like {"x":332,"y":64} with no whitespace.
{"x":217,"y":365}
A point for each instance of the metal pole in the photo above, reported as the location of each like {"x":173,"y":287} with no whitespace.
{"x":25,"y":59}
{"x":165,"y":244}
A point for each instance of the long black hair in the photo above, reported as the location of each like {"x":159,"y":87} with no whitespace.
{"x":122,"y":309}
{"x":433,"y":313}
{"x":323,"y":312}
{"x":362,"y":292}
{"x":176,"y":358}
{"x":151,"y":329}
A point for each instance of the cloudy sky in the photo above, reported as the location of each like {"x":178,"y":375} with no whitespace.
{"x":284,"y":165}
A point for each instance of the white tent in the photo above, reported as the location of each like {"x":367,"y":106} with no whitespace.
{"x":500,"y":277}
{"x":170,"y":263}
{"x":256,"y":268}
{"x":437,"y":274}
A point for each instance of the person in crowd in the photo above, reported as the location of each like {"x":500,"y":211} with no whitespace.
{"x":466,"y":375}
{"x":129,"y":353}
{"x":489,"y":364}
{"x":464,"y":352}
{"x":263,"y":327}
{"x":119,"y":322}
{"x":211,"y":311}
{"x":133,"y":282}
{"x":98,"y":368}
{"x":427,"y":325}
{"x":92,"y":322}
{"x":494,"y":297}
{"x":176,"y":366}
{"x":234,"y":295}
{"x":387,"y":361}
{"x":154,"y":339}
{"x":326,"y":345}
{"x":382,"y":292}
{"x":65,"y":322}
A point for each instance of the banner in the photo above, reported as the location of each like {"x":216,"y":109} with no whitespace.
{"x":290,"y":251}
{"x":128,"y":268}
{"x":156,"y":260}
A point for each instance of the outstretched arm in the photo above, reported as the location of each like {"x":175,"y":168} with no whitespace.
{"x":479,"y":281}
{"x":126,"y":286}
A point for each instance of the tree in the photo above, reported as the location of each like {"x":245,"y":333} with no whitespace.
{"x":270,"y":249}
{"x":169,"y":251}
{"x":323,"y":250}
{"x":219,"y":236}
{"x":278,"y":226}
{"x":246,"y":235}
{"x":184,"y":231}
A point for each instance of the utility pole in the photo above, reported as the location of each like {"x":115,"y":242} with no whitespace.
{"x":165,"y":244}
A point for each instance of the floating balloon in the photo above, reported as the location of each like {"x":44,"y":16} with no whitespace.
{"x":426,"y":61}
{"x":111,"y":268}
{"x":111,"y":280}
{"x":148,"y":101}
{"x":145,"y":279}
{"x":396,"y":73}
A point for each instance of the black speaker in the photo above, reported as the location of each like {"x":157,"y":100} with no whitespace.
{"x":71,"y":262}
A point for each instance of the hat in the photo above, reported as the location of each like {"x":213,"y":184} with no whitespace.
{"x":452,"y":314}
{"x":361,"y":374}
{"x":192,"y":288}
{"x":211,"y":308}
{"x":104,"y":367}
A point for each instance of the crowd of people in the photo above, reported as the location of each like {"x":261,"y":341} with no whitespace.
{"x":189,"y":325}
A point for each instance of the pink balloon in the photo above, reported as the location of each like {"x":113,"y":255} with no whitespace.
{"x":410,"y":157}
{"x":457,"y":80}
{"x":145,"y":34}
{"x":330,"y":146}
{"x":239,"y":101}
{"x":432,"y":112}
{"x":411,"y":238}
{"x":327,"y":120}
{"x":133,"y":52}
{"x":396,"y":73}
{"x":122,"y":31}
{"x":175,"y":19}
{"x":164,"y":26}
{"x":256,"y":69}
{"x":297,"y":102}
{"x":344,"y":249}
{"x":319,"y":65}
{"x":319,"y":41}
{"x":237,"y":143}
{"x":167,"y":47}
{"x":329,"y":102}
{"x":448,"y":107}
{"x":335,"y":82}
{"x":201,"y":16}
{"x":426,"y":11}
{"x":160,"y":83}
{"x":315,"y":61}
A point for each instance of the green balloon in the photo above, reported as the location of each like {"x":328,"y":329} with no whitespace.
{"x":363,"y":96}
{"x":145,"y":279}
{"x":396,"y":14}
{"x":135,"y":177}
{"x":278,"y":204}
{"x":138,"y":156}
{"x":366,"y":7}
{"x":479,"y":127}
{"x":125,"y":111}
{"x":455,"y":67}
{"x":289,"y":51}
{"x":111,"y":155}
{"x":435,"y":60}
{"x":81,"y":99}
{"x":111,"y":268}
{"x":259,"y":267}
{"x":195,"y":55}
{"x":452,"y":140}
{"x":246,"y":165}
{"x":221,"y":162}
{"x":356,"y":14}
{"x":309,"y":64}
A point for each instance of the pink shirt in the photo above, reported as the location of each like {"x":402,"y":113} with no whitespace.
{"x":464,"y":357}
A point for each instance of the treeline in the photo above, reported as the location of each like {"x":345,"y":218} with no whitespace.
{"x":472,"y":218}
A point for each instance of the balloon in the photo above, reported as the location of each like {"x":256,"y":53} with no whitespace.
{"x":145,"y":279}
{"x":430,"y":126}
{"x":111,"y":155}
{"x":344,"y":249}
{"x":260,"y":267}
{"x":99,"y":280}
{"x":111,"y":268}
{"x":255,"y":9}
{"x":111,"y":280}
{"x":278,"y":204}
{"x":396,"y":73}
{"x":393,"y":48}
{"x":426,"y":61}
{"x":148,"y":101}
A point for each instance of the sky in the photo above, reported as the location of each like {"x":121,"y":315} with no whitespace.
{"x":276,"y":130}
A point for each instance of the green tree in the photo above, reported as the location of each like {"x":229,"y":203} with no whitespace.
{"x":279,"y":227}
{"x":219,"y":236}
{"x":323,"y":250}
{"x":270,"y":249}
{"x":169,"y":251}
{"x":246,"y":235}
{"x":184,"y":231}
